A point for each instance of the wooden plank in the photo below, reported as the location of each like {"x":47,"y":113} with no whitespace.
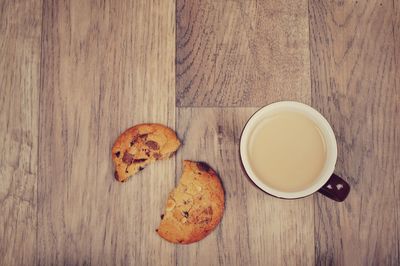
{"x":20,"y":31}
{"x":107,"y":65}
{"x":256,"y":229}
{"x":241,"y":53}
{"x":396,"y":33}
{"x":353,"y":84}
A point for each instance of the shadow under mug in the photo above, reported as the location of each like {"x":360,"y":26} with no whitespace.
{"x":328,"y":183}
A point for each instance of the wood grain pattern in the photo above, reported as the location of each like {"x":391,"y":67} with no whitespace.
{"x":353,"y":84}
{"x":107,"y":65}
{"x":20,"y":29}
{"x":256,"y":229}
{"x":75,"y":74}
{"x":396,"y":125}
{"x":241,"y":53}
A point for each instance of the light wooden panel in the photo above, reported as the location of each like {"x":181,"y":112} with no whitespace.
{"x":396,"y":125}
{"x":20,"y":30}
{"x":256,"y":229}
{"x":241,"y":53}
{"x":353,"y":84}
{"x":107,"y":65}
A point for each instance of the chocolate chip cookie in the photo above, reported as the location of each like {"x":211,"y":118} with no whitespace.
{"x":140,"y":145}
{"x":195,"y":207}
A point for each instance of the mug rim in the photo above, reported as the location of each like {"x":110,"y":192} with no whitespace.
{"x":322,"y":124}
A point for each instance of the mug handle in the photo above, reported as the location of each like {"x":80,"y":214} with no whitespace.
{"x":336,"y":188}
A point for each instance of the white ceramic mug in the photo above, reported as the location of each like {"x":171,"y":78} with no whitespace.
{"x":327,"y":183}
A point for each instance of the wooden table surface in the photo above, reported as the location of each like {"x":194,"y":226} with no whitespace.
{"x":74,"y":74}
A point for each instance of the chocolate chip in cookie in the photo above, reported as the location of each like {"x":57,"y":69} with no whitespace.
{"x":152,"y":145}
{"x":128,"y":158}
{"x":203,"y":166}
{"x":139,"y":160}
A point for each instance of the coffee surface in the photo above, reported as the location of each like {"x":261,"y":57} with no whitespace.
{"x":287,"y":151}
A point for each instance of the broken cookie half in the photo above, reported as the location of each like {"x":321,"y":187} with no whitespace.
{"x":195,"y":207}
{"x":140,"y":145}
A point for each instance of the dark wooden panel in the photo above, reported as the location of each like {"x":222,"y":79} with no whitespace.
{"x":241,"y":53}
{"x":107,"y":65}
{"x":20,"y":31}
{"x":353,"y":84}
